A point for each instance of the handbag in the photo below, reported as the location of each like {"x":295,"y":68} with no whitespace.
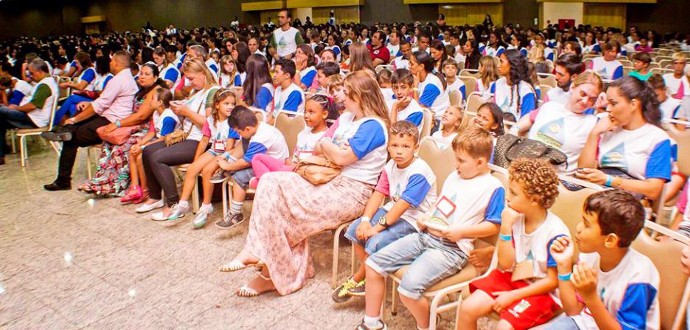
{"x":118,"y":136}
{"x":317,"y":170}
{"x":510,"y":147}
{"x":90,"y":94}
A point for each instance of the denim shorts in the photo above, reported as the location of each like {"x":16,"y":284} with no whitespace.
{"x":400,"y":228}
{"x":242,"y":177}
{"x":431,"y":260}
{"x":563,"y":323}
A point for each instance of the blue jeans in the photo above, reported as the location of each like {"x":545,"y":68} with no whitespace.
{"x":399,"y":229}
{"x":69,"y":107}
{"x":430,"y":258}
{"x":563,"y":323}
{"x":10,"y":118}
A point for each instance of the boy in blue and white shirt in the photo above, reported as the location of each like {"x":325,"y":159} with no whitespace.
{"x":411,"y":185}
{"x":607,"y":66}
{"x":402,"y":106}
{"x":288,"y":96}
{"x":453,"y":83}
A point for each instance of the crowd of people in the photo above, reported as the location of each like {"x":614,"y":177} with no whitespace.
{"x":208,"y":97}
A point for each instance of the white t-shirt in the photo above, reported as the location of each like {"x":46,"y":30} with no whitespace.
{"x":388,"y":94}
{"x":415,"y":184}
{"x":642,"y":153}
{"x":486,"y":92}
{"x":290,"y":99}
{"x":432,"y":96}
{"x":412,"y":113}
{"x":101,"y":81}
{"x":285,"y":41}
{"x":41,"y":116}
{"x":88,"y":75}
{"x":393,"y":49}
{"x":629,"y":292}
{"x":267,"y":140}
{"x":171,"y":73}
{"x":401,"y":63}
{"x":465,"y":202}
{"x":306,"y":142}
{"x":24,"y":88}
{"x":495,"y":52}
{"x":368,"y":138}
{"x":562,"y":129}
{"x":506,"y":97}
{"x":443,"y":142}
{"x":558,"y":95}
{"x":607,"y":69}
{"x":217,"y":133}
{"x":198,"y":103}
{"x":671,"y":109}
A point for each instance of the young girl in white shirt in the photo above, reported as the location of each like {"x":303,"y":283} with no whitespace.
{"x":452,"y":123}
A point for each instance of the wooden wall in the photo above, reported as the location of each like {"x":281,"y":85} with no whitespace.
{"x":600,"y":14}
{"x":345,"y":14}
{"x":460,"y":14}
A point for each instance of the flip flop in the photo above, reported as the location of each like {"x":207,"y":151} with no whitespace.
{"x":248,"y":292}
{"x":236,"y":265}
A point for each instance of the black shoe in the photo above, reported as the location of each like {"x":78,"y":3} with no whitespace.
{"x":58,"y":134}
{"x":2,"y":160}
{"x":56,"y":185}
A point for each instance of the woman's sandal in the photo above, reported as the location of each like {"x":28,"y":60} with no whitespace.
{"x":248,"y":292}
{"x":236,"y":265}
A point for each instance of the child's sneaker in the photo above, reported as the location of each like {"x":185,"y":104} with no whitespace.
{"x":342,"y":293}
{"x":177,"y":212}
{"x":230,"y":220}
{"x":380,"y":326}
{"x":218,"y":176}
{"x":358,"y":290}
{"x":201,"y":217}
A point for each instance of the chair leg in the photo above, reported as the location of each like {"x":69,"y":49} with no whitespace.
{"x":88,"y":163}
{"x":195,"y":196}
{"x":13,"y":138}
{"x":22,"y":150}
{"x":56,"y":146}
{"x":336,"y":253}
{"x":394,"y":298}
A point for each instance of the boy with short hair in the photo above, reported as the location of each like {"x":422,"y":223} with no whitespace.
{"x":323,"y":71}
{"x":670,"y":107}
{"x":641,"y":63}
{"x":607,"y":66}
{"x":612,"y":285}
{"x":453,"y":83}
{"x":403,"y":106}
{"x":288,"y":96}
{"x":522,"y":289}
{"x":411,"y":185}
{"x":262,"y":139}
{"x":469,"y":207}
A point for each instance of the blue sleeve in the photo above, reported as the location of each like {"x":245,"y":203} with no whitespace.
{"x":659,"y":162}
{"x":308,"y":78}
{"x":538,"y":91}
{"x":171,"y":75}
{"x":528,"y":104}
{"x":618,"y":73}
{"x":73,"y":64}
{"x":254,"y":149}
{"x":415,"y":118}
{"x":596,"y":48}
{"x":495,"y":207}
{"x":500,"y":51}
{"x":676,"y":113}
{"x":429,"y":95}
{"x":16,"y":98}
{"x":106,"y":81}
{"x":674,"y":152}
{"x":232,"y":134}
{"x":168,"y":126}
{"x":463,"y":91}
{"x":492,"y":88}
{"x":369,"y":136}
{"x":637,"y":300}
{"x":336,"y":51}
{"x":214,"y":68}
{"x":293,"y":101}
{"x":550,"y":57}
{"x":238,"y":80}
{"x":416,"y":190}
{"x":263,"y":98}
{"x":550,"y":261}
{"x":523,"y":52}
{"x":89,"y":75}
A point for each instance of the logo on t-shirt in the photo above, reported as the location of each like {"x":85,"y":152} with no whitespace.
{"x":615,"y":158}
{"x":552,"y":133}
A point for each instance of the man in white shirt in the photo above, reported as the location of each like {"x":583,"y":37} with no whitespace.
{"x":285,"y":38}
{"x":253,"y":45}
{"x":394,"y":45}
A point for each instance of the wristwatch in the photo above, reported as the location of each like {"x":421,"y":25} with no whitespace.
{"x":383,"y":222}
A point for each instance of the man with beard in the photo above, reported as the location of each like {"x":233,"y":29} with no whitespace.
{"x":568,"y":66}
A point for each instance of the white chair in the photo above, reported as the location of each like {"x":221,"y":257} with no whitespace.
{"x":22,"y":133}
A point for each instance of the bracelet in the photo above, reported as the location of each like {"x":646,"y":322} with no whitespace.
{"x":609,"y":180}
{"x":117,"y":123}
{"x":143,"y":146}
{"x":564,"y":277}
{"x":505,"y":238}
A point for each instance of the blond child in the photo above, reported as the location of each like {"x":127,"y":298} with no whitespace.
{"x":452,"y":122}
{"x":163,"y":121}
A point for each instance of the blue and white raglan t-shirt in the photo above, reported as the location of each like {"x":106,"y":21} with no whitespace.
{"x":180,"y":60}
{"x":467,"y":202}
{"x":307,"y":76}
{"x":562,"y":129}
{"x":368,"y":138}
{"x":506,"y":97}
{"x":415,"y":184}
{"x":21,"y":90}
{"x":164,"y":123}
{"x":486,"y":92}
{"x":432,"y":95}
{"x":170,"y":73}
{"x":239,"y":78}
{"x":212,"y":65}
{"x":336,"y":51}
{"x":88,"y":75}
{"x":495,"y":52}
{"x":548,"y":53}
{"x":595,"y":48}
{"x":401,"y":63}
{"x":267,"y":140}
{"x":611,"y":70}
{"x":306,"y":143}
{"x":643,"y":153}
{"x":412,"y":113}
{"x":218,"y":133}
{"x":264,"y":98}
{"x":673,"y":84}
{"x":671,"y":109}
{"x":457,"y":85}
{"x":629,"y":292}
{"x":290,"y":99}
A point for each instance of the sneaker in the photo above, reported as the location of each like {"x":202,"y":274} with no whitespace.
{"x":218,"y":177}
{"x":230,"y":220}
{"x":159,"y":216}
{"x":149,"y":207}
{"x":380,"y":326}
{"x":201,"y":217}
{"x":358,"y":290}
{"x":58,"y":134}
{"x":177,"y":212}
{"x":342,"y":293}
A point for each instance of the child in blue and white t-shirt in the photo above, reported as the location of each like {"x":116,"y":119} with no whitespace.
{"x":402,"y":106}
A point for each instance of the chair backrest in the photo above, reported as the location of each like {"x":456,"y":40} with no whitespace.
{"x":427,"y":123}
{"x":455,"y":98}
{"x":441,"y":161}
{"x":673,"y":284}
{"x":469,"y":73}
{"x":568,"y":205}
{"x":474,"y":101}
{"x":627,"y":70}
{"x":625,"y":62}
{"x":682,"y":139}
{"x":501,"y":174}
{"x":544,"y":90}
{"x":547,"y":79}
{"x":470,"y":84}
{"x":290,"y":124}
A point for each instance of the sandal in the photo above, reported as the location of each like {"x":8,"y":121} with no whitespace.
{"x":248,"y":292}
{"x":143,"y":198}
{"x":236,"y":265}
{"x":134,"y":193}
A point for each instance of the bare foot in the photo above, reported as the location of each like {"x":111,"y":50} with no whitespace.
{"x":259,"y":285}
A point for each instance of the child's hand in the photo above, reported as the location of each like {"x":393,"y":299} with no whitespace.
{"x":585,"y":280}
{"x":510,"y":216}
{"x":402,"y":103}
{"x":135,"y":149}
{"x":481,"y":258}
{"x":363,"y":229}
{"x":562,"y":250}
{"x":453,"y":234}
{"x":420,"y":222}
{"x":223,"y":164}
{"x":503,"y":300}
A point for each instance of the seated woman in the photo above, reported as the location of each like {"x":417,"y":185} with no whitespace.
{"x":159,"y":157}
{"x":258,"y":88}
{"x":629,"y":141}
{"x":292,"y":209}
{"x":429,"y":91}
{"x":85,"y":82}
{"x":306,"y":66}
{"x":565,"y":126}
{"x":514,"y":92}
{"x":167,"y":70}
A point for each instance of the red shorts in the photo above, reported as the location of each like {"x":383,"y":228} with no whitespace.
{"x":524,"y":313}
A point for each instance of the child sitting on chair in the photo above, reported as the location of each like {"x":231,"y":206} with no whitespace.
{"x":403,"y":106}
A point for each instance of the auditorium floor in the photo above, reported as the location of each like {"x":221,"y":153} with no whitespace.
{"x":68,"y":260}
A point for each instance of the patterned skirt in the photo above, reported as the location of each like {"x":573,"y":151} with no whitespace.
{"x":287,"y":211}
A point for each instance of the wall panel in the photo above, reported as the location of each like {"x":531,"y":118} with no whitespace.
{"x":460,"y":14}
{"x":597,"y":14}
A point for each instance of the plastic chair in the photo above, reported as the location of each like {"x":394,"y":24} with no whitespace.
{"x":290,"y":124}
{"x":469,"y":73}
{"x":547,"y":79}
{"x":682,"y":139}
{"x":470,"y":84}
{"x":474,"y":101}
{"x":427,"y":122}
{"x":544,"y":91}
{"x":455,"y":98}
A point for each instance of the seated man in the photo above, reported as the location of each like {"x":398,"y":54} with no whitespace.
{"x":114,"y":104}
{"x":34,"y":110}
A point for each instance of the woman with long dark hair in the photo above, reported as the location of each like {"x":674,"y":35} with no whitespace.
{"x":429,"y":92}
{"x":258,"y":88}
{"x":241,"y":53}
{"x":514,"y":92}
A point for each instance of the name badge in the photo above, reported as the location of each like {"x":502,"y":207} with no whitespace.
{"x":218,"y":145}
{"x":445,"y":206}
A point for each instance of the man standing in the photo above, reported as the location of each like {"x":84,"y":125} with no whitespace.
{"x":377,"y":49}
{"x":114,"y":104}
{"x":285,"y":38}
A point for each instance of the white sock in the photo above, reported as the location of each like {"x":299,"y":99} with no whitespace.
{"x":372,"y":321}
{"x":420,"y":328}
{"x":184,"y":204}
{"x":236,"y":207}
{"x":207,"y":207}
